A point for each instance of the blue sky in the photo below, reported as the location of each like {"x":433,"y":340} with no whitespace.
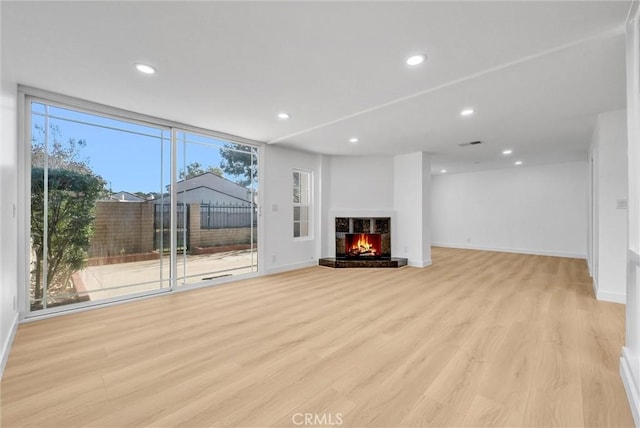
{"x":127,"y":160}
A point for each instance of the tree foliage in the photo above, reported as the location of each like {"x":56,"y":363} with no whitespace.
{"x":72,"y":190}
{"x":59,"y":155}
{"x":196,"y":168}
{"x":239,"y":162}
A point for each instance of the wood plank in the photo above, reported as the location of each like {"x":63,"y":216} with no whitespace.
{"x":478,"y":339}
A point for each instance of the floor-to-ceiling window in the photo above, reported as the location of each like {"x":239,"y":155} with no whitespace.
{"x":630,"y":360}
{"x":216,"y":194}
{"x":124,"y":207}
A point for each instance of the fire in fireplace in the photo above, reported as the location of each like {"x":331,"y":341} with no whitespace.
{"x":363,"y":238}
{"x":363,"y":245}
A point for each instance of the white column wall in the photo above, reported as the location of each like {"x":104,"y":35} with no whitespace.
{"x":412,"y":203}
{"x":630,"y":359}
{"x":361,"y":183}
{"x":608,"y":155}
{"x":358,"y":186}
{"x":8,"y":215}
{"x":324,"y":244}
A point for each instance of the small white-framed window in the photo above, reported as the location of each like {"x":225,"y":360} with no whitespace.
{"x":301,"y":203}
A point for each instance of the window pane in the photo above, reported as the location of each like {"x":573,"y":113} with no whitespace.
{"x":37,"y":108}
{"x":216,"y":190}
{"x":101,"y":215}
{"x":304,"y":188}
{"x":301,"y":203}
{"x":296,"y":187}
{"x":92,"y":236}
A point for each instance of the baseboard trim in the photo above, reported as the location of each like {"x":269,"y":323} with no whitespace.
{"x":292,"y":266}
{"x":513,"y":250}
{"x":630,"y":386}
{"x":6,"y":346}
{"x":611,"y":297}
{"x":419,"y":264}
{"x":606,"y":296}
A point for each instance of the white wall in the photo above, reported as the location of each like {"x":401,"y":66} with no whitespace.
{"x":325,"y":247}
{"x":592,"y":211}
{"x":280,"y":250}
{"x":361,"y":183}
{"x":357,"y":186}
{"x":630,"y":359}
{"x":412,"y":200}
{"x":528,"y":209}
{"x":608,"y":154}
{"x":8,"y":224}
{"x":210,"y":187}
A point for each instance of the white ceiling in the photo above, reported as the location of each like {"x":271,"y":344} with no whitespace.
{"x":537,"y":73}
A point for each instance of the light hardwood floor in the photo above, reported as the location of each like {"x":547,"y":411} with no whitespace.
{"x":478,"y":339}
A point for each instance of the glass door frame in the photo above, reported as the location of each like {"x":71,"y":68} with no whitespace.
{"x":27,"y":95}
{"x":181,"y":144}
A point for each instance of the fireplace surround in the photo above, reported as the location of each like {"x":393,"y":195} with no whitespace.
{"x":363,"y":242}
{"x":363,"y":237}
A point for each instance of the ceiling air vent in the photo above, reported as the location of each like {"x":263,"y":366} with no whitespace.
{"x":472,"y":143}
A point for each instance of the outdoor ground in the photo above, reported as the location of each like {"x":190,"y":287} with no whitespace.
{"x":109,"y":281}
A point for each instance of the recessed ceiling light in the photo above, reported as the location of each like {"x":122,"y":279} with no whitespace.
{"x":284,"y":115}
{"x":145,"y":68}
{"x":353,"y":140}
{"x":467,"y":112}
{"x":444,"y":171}
{"x":507,"y":152}
{"x":416,"y":59}
{"x":518,"y":162}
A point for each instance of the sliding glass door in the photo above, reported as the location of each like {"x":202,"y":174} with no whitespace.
{"x":102,"y":213}
{"x":216,"y":194}
{"x":94,"y":184}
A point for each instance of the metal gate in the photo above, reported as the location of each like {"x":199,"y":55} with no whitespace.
{"x":162,"y":227}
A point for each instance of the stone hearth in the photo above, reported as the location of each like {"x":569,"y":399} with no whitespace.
{"x":392,"y":262}
{"x":363,"y":242}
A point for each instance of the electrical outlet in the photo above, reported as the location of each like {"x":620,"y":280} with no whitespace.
{"x":15,"y":303}
{"x":273,"y":258}
{"x":621,"y":204}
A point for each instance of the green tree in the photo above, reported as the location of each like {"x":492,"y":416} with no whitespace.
{"x":195,"y":168}
{"x":239,"y":161}
{"x":72,"y":190}
{"x":59,"y":155}
{"x":70,"y":215}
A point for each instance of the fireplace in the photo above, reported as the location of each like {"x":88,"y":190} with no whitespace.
{"x":363,"y":238}
{"x":363,"y":242}
{"x":363,"y":245}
